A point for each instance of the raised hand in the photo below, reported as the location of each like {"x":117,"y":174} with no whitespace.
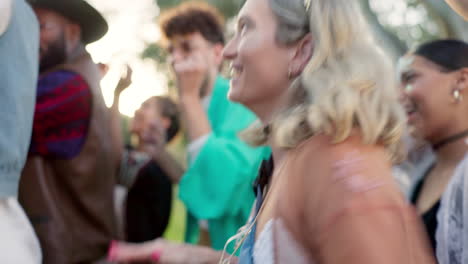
{"x":125,"y":80}
{"x":191,"y":74}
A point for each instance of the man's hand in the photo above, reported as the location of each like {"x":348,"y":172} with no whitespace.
{"x":5,"y":15}
{"x":191,"y":74}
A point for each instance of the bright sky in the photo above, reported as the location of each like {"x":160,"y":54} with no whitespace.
{"x":131,"y":26}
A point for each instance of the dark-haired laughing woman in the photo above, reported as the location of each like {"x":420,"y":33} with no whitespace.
{"x":434,"y":82}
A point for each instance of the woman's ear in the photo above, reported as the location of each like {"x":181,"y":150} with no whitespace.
{"x":304,"y":50}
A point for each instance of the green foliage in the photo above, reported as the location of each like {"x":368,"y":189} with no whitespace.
{"x":156,"y":52}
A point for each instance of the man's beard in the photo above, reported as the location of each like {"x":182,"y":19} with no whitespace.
{"x":54,"y":55}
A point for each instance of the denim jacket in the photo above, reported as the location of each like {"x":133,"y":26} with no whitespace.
{"x":19,"y":66}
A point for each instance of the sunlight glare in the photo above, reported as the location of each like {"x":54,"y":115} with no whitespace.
{"x":131,"y":27}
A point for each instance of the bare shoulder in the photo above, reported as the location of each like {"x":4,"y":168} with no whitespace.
{"x":5,"y":15}
{"x":321,"y":154}
{"x":334,"y":176}
{"x":326,"y":178}
{"x":320,"y":170}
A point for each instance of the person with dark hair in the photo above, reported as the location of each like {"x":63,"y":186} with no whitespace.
{"x":149,"y":199}
{"x":434,"y":81}
{"x":217,"y":186}
{"x":19,"y":50}
{"x":67,"y":185}
{"x":192,"y":17}
{"x":147,"y":169}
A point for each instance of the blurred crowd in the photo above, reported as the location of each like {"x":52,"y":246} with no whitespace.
{"x":312,"y":151}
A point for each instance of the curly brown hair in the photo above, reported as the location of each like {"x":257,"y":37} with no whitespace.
{"x":191,"y":17}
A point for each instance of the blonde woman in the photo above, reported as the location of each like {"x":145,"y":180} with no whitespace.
{"x":328,"y":106}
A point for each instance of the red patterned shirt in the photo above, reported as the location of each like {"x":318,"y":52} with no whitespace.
{"x":62,"y":115}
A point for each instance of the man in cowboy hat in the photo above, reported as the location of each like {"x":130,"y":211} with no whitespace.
{"x":460,"y":6}
{"x":19,"y":48}
{"x":67,"y":184}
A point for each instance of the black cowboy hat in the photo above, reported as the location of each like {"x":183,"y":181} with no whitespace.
{"x":93,"y":25}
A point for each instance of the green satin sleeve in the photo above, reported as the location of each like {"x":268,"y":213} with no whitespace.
{"x":219,"y":182}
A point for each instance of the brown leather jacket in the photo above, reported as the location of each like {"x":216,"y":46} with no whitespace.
{"x":70,"y":202}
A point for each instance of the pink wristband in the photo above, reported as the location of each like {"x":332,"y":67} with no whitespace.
{"x":112,"y":251}
{"x":156,"y":255}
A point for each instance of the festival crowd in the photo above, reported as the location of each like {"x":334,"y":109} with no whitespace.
{"x":318,"y":147}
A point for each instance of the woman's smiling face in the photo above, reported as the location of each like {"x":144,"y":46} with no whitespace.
{"x":259,"y":64}
{"x":427,"y":94}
